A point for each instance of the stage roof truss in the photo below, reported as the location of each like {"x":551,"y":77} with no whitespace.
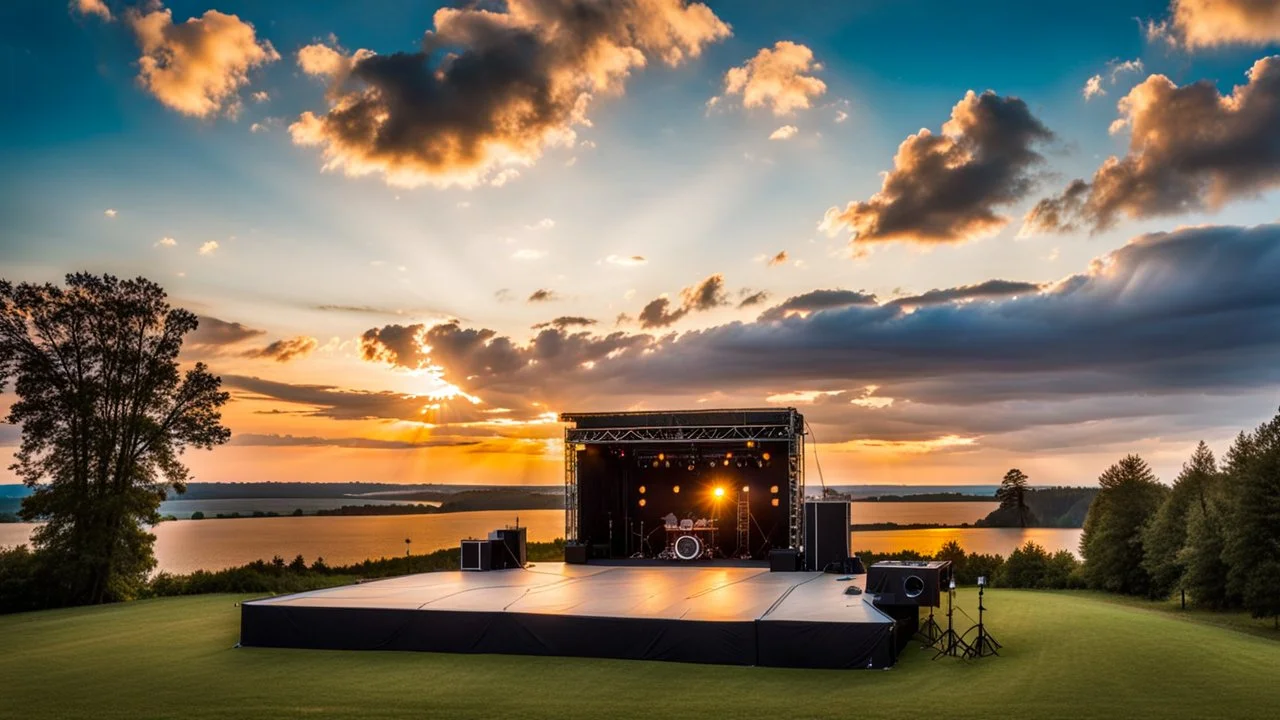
{"x":693,"y":434}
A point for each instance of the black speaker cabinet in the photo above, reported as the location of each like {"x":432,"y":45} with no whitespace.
{"x":826,"y":534}
{"x":575,"y":554}
{"x":477,"y":555}
{"x":510,"y":547}
{"x":909,"y":583}
{"x":784,"y":560}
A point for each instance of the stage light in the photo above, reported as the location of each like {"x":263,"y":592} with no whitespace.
{"x":774,"y":502}
{"x":641,"y":489}
{"x":719,"y":492}
{"x":982,"y":581}
{"x":655,"y":463}
{"x":759,"y":463}
{"x":676,"y":489}
{"x":728,"y":455}
{"x":746,"y":488}
{"x":953,"y":584}
{"x":726,"y":462}
{"x":764,"y":456}
{"x":690,"y":468}
{"x":774,"y":489}
{"x":751,"y":444}
{"x":662,"y":456}
{"x":642,"y":502}
{"x":579,"y":447}
{"x":666,"y":464}
{"x":711,"y":463}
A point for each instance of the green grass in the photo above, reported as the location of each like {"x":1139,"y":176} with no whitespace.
{"x":1068,"y":655}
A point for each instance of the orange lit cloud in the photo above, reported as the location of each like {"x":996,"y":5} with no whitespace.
{"x":947,"y":187}
{"x":1190,"y":147}
{"x":1213,"y":23}
{"x":776,"y":78}
{"x":491,"y":88}
{"x":198,"y":67}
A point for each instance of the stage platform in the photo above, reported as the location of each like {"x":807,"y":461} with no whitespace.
{"x":737,"y":615}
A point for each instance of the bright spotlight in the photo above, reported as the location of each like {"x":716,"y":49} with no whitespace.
{"x":579,"y":447}
{"x":642,"y":502}
{"x":764,"y":456}
{"x":719,"y":492}
{"x":774,"y":502}
{"x":746,"y":488}
{"x":642,"y":488}
{"x":676,"y":489}
{"x":774,"y":489}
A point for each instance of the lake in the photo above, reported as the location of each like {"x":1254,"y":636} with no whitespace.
{"x":186,"y":545}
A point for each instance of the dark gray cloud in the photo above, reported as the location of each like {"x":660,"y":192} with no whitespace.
{"x":565,"y":321}
{"x":706,"y":295}
{"x":980,"y":291}
{"x":948,"y":187}
{"x":285,"y":350}
{"x":816,"y":300}
{"x":395,"y":344}
{"x":1188,"y":314}
{"x":778,"y":259}
{"x":215,"y":333}
{"x":1190,"y":148}
{"x":542,"y":295}
{"x":330,"y":401}
{"x":491,"y":84}
{"x":751,"y":299}
{"x":273,"y":440}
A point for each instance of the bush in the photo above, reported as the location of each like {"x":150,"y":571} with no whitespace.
{"x":197,"y":515}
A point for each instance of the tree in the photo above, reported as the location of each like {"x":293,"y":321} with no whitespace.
{"x":1252,"y":538}
{"x":1111,"y":543}
{"x":106,"y":414}
{"x":1166,"y":536}
{"x":197,"y":515}
{"x":1013,"y":498}
{"x":1205,"y":574}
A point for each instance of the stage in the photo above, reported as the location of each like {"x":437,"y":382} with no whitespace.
{"x":724,"y":613}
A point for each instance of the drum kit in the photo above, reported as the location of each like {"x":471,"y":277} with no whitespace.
{"x":689,"y":539}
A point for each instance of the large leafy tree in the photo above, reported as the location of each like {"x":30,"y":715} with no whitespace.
{"x":1166,"y":536}
{"x":1112,"y":541}
{"x":106,"y":413}
{"x":1252,"y":538}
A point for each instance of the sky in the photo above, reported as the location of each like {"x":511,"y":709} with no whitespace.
{"x":959,"y":237}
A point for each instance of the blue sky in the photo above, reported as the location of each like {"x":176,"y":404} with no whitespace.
{"x":697,"y":191}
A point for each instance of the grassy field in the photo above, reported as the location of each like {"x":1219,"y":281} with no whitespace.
{"x":1068,"y":655}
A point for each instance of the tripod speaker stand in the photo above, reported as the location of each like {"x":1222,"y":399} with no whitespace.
{"x":949,"y":643}
{"x":930,"y":631}
{"x":983,"y":644}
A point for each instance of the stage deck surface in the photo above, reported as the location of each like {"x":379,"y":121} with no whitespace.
{"x":718,"y":614}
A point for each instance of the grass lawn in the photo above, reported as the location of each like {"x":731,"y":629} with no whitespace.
{"x":1068,"y":655}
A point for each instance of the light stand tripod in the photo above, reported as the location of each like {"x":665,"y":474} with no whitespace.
{"x":949,"y":643}
{"x":983,"y":645}
{"x":930,"y":631}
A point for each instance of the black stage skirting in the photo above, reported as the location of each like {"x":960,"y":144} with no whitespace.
{"x":778,"y":619}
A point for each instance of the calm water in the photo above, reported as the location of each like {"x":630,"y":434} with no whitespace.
{"x":184,"y":546}
{"x":907,"y":513}
{"x":182,"y":509}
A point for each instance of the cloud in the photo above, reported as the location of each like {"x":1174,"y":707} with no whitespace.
{"x":987,"y":290}
{"x":208,"y":248}
{"x":543,"y":295}
{"x":213,"y":333}
{"x":706,"y":295}
{"x":329,"y":401}
{"x":776,"y":78}
{"x":166,"y":242}
{"x":543,"y":224}
{"x":492,"y":88}
{"x":502,"y":177}
{"x":1190,"y":148}
{"x":92,"y":7}
{"x":817,"y":300}
{"x":265,"y":124}
{"x":841,"y":116}
{"x":1119,"y":67}
{"x":1171,"y":334}
{"x":110,"y":212}
{"x":946,"y":188}
{"x":274,"y":440}
{"x":197,"y":68}
{"x":751,"y":299}
{"x":261,"y":96}
{"x":779,"y":259}
{"x":626,"y":260}
{"x":1093,"y":88}
{"x":786,"y":132}
{"x":1213,"y":23}
{"x":394,"y":344}
{"x":285,"y":350}
{"x":565,"y":321}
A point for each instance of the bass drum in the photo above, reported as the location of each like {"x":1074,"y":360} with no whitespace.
{"x":688,"y":547}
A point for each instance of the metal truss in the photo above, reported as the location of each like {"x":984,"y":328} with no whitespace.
{"x":693,"y":434}
{"x":792,"y":432}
